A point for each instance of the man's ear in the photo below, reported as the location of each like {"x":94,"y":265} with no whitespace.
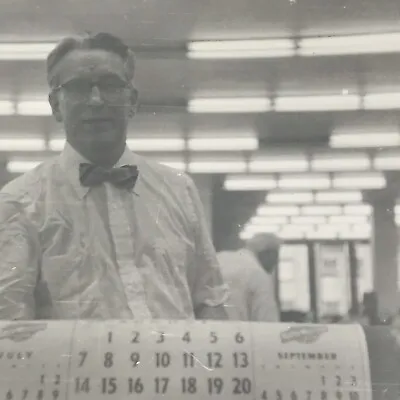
{"x":55,"y":105}
{"x":134,"y":101}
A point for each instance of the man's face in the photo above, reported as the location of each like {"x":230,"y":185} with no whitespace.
{"x":94,"y":101}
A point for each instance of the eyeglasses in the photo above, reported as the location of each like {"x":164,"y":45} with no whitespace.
{"x":110,"y":88}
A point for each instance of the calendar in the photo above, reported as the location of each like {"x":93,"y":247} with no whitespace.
{"x":90,"y":360}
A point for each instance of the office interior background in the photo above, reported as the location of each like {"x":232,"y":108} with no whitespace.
{"x":284,"y":112}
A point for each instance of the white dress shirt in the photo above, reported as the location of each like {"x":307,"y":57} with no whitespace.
{"x":68,"y":251}
{"x":252,"y":295}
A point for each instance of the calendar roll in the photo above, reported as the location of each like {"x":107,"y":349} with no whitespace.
{"x":119,"y":360}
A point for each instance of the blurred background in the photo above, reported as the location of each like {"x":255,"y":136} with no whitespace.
{"x":284,"y":112}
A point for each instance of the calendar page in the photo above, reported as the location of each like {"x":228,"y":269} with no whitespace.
{"x":179,"y":360}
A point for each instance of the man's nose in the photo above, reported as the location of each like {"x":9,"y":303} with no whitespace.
{"x":95,"y":96}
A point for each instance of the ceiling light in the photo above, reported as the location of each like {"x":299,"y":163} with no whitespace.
{"x":217,"y":166}
{"x":287,"y":197}
{"x":250,"y":182}
{"x":322,"y":234}
{"x":321,"y":210}
{"x":339,"y":197}
{"x":301,"y":220}
{"x":22,"y":144}
{"x":359,"y":181}
{"x":275,"y":210}
{"x":348,"y":219}
{"x":364,"y":139}
{"x":156,"y":144}
{"x":20,"y":167}
{"x":382,"y":101}
{"x":241,"y":49}
{"x":317,"y":103}
{"x":223,"y":144}
{"x":244,"y":235}
{"x":304,"y":181}
{"x":259,"y":220}
{"x":262,"y":228}
{"x":278,"y":163}
{"x":340,"y":162}
{"x":289,"y":234}
{"x":229,"y":105}
{"x":25,"y":51}
{"x":7,"y":107}
{"x":299,"y":227}
{"x":350,"y":44}
{"x":33,"y":108}
{"x":361,"y":209}
{"x":387,"y":161}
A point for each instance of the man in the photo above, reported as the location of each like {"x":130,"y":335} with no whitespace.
{"x":100,"y":232}
{"x":249,"y":273}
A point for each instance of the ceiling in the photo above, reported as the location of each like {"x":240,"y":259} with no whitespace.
{"x":167,"y":80}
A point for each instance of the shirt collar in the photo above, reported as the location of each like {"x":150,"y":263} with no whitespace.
{"x":70,"y":160}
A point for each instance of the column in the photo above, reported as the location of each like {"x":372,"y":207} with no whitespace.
{"x":384,"y":249}
{"x":204,"y":184}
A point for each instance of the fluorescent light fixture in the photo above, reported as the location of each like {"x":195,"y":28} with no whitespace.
{"x":258,"y":220}
{"x":360,"y":209}
{"x":275,"y":163}
{"x":7,"y":107}
{"x":351,"y":44}
{"x":262,"y":228}
{"x":299,"y":227}
{"x":217,"y":166}
{"x":303,"y":220}
{"x":317,"y":103}
{"x":304,"y":181}
{"x":223,"y":143}
{"x":234,"y":49}
{"x":229,"y":105}
{"x":290,"y":234}
{"x":382,"y":101}
{"x":33,"y":108}
{"x":25,"y":51}
{"x":364,"y":139}
{"x":354,"y":235}
{"x":340,"y":162}
{"x":22,"y":144}
{"x":278,"y":210}
{"x":250,"y":54}
{"x":156,"y":144}
{"x":321,"y":210}
{"x":387,"y":161}
{"x":348,"y":219}
{"x":322,"y":234}
{"x":354,"y":196}
{"x":372,"y":180}
{"x":250,"y":182}
{"x":244,"y":235}
{"x":20,"y":167}
{"x":288,"y":197}
{"x":397,"y":209}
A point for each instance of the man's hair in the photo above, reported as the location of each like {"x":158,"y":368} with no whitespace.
{"x":99,"y":41}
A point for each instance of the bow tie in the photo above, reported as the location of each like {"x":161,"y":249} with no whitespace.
{"x":124,"y":177}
